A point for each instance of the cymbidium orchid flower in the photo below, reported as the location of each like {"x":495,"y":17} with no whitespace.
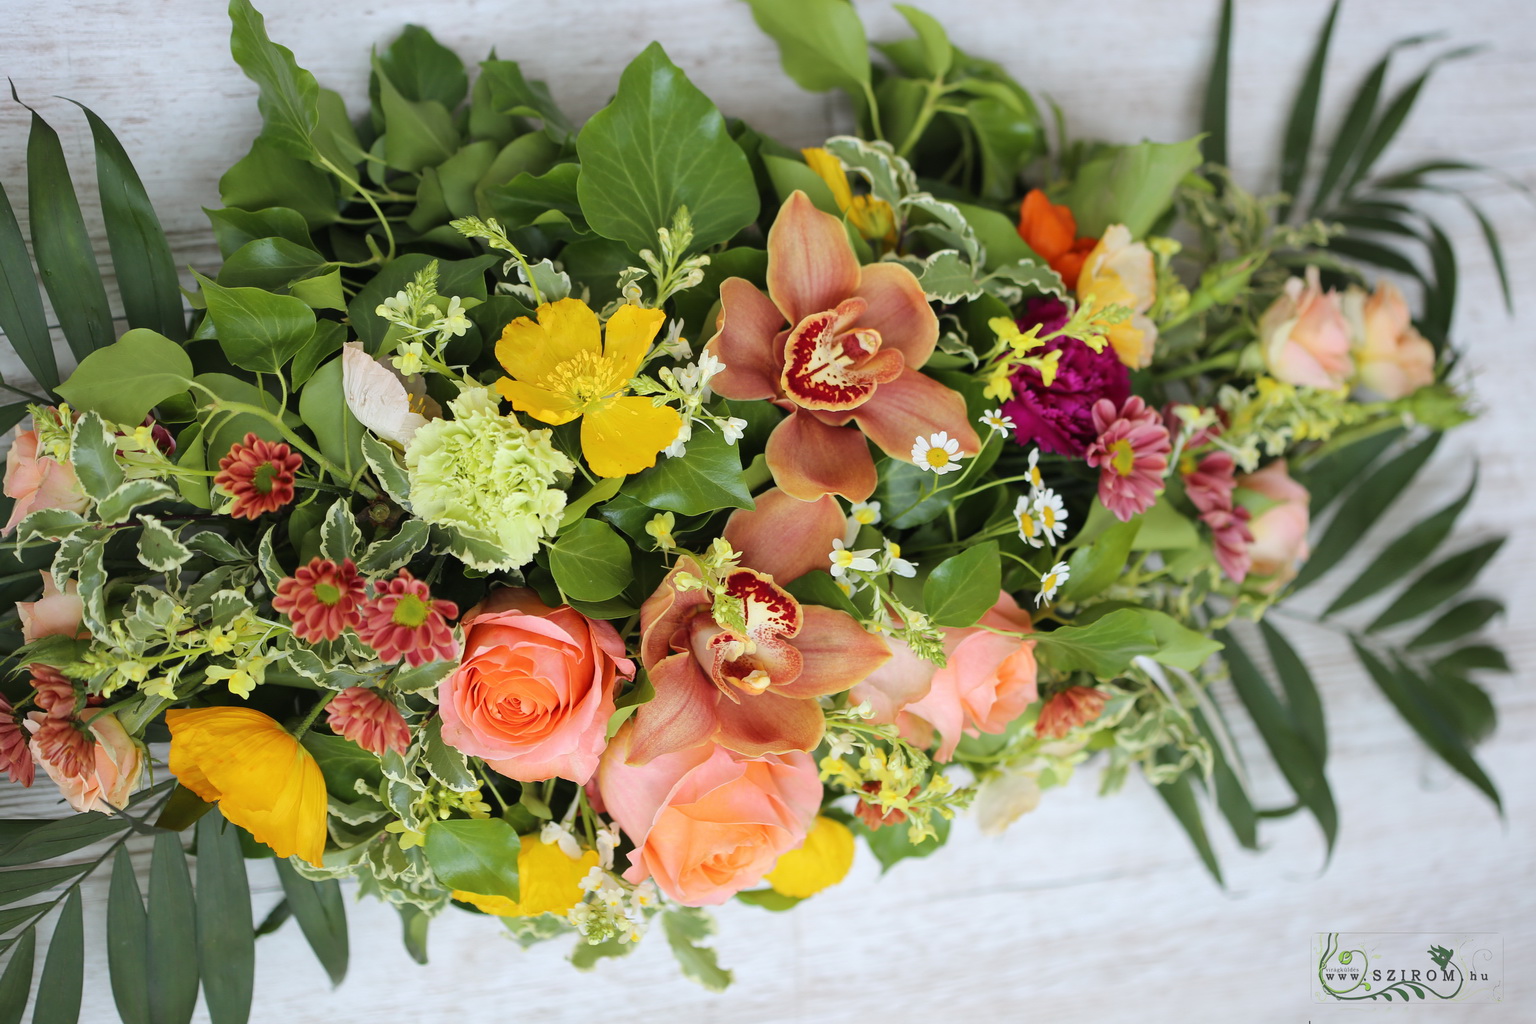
{"x":849,"y":353}
{"x":751,"y":689}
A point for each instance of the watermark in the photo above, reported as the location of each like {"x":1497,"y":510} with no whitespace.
{"x":1407,"y":967}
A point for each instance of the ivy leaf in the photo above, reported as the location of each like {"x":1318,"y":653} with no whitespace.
{"x":128,"y":378}
{"x":1103,"y":648}
{"x":290,"y":97}
{"x":822,"y":44}
{"x":708,"y":478}
{"x":591,"y":562}
{"x":687,"y":928}
{"x":475,"y":855}
{"x":256,"y":329}
{"x":659,"y":146}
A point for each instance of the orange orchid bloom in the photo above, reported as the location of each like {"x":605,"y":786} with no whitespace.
{"x":1051,"y":231}
{"x":850,"y":352}
{"x":755,"y":692}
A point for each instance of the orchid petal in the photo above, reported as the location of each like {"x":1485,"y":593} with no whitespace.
{"x":810,"y":459}
{"x":836,"y":653}
{"x":811,"y":265}
{"x":769,"y":724}
{"x":745,"y":341}
{"x":783,"y":536}
{"x":899,"y":310}
{"x":683,"y":714}
{"x":912,"y":406}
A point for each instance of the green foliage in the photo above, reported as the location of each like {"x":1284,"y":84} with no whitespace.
{"x":226,"y":938}
{"x":659,"y":146}
{"x":321,"y":915}
{"x":709,"y":478}
{"x":821,"y":43}
{"x":129,"y":377}
{"x":591,"y":562}
{"x":961,"y":589}
{"x":1103,"y":648}
{"x":686,"y":929}
{"x":1130,"y":185}
{"x":475,"y":855}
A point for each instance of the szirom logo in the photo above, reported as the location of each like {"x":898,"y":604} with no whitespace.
{"x":1385,"y":967}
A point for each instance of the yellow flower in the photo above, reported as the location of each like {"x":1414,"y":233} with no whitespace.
{"x":548,"y":881}
{"x":262,"y":779}
{"x":1120,"y":272}
{"x":563,"y":367}
{"x":823,"y":861}
{"x":869,"y":216}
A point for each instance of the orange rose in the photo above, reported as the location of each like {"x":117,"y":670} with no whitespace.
{"x":987,"y":682}
{"x":1280,"y":531}
{"x":706,"y":821}
{"x":38,"y":482}
{"x":111,"y":773}
{"x":534,"y":690}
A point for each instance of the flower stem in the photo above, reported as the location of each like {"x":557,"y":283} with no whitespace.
{"x":314,"y":713}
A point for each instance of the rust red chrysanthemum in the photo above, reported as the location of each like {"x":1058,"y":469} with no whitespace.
{"x":369,"y":720}
{"x":64,"y":743}
{"x":258,"y":474}
{"x":15,"y":757}
{"x":1069,"y":709}
{"x":55,"y":693}
{"x":322,"y":599}
{"x":403,"y":622}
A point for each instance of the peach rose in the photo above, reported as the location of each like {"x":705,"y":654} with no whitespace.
{"x":987,"y":682}
{"x":38,"y":482}
{"x":1304,"y":336}
{"x":112,"y":776}
{"x":1120,"y":272}
{"x":1280,"y":531}
{"x":534,"y":690}
{"x":1393,"y":359}
{"x":706,"y":821}
{"x":56,"y":613}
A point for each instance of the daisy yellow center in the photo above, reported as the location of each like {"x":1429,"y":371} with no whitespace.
{"x":1122,"y":457}
{"x":1048,"y":582}
{"x":1027,"y":524}
{"x":410,"y":612}
{"x":937,"y":458}
{"x":1048,"y":517}
{"x":585,"y":377}
{"x":327,"y":594}
{"x":1034,"y":477}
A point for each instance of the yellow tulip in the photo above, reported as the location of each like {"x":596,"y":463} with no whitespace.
{"x":822,"y":861}
{"x":262,"y":778}
{"x":548,"y":882}
{"x":565,"y":366}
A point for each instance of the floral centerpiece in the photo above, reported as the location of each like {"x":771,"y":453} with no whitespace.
{"x":587,"y":526}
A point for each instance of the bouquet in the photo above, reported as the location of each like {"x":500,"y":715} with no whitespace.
{"x":583,"y":526}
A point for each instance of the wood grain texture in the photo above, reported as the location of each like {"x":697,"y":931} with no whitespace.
{"x":1089,"y":909}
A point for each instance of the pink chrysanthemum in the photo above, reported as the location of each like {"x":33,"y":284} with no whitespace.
{"x":15,"y":758}
{"x":1131,"y":453}
{"x":369,"y":720}
{"x":55,"y":694}
{"x":1073,"y":707}
{"x":322,"y":599}
{"x":62,"y":742}
{"x":1209,"y":485}
{"x":1231,"y":540}
{"x":258,"y":474}
{"x":403,"y":621}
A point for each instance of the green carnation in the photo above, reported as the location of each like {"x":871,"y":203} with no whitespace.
{"x":488,"y":477}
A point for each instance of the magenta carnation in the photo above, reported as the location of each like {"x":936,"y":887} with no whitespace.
{"x":1059,"y":418}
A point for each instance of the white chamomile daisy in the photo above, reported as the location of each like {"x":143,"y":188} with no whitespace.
{"x":1051,"y":581}
{"x":865,"y":513}
{"x":895,"y":563}
{"x":995,"y":419}
{"x":1036,"y":481}
{"x":1051,"y":514}
{"x":1029,"y":526}
{"x":939,"y":453}
{"x":844,"y":558}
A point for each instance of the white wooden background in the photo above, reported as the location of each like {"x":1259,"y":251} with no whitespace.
{"x":1089,"y":910}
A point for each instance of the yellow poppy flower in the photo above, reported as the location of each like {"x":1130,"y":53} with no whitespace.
{"x":548,"y":881}
{"x":564,"y":366}
{"x":869,"y":216}
{"x":262,"y":778}
{"x":822,"y":861}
